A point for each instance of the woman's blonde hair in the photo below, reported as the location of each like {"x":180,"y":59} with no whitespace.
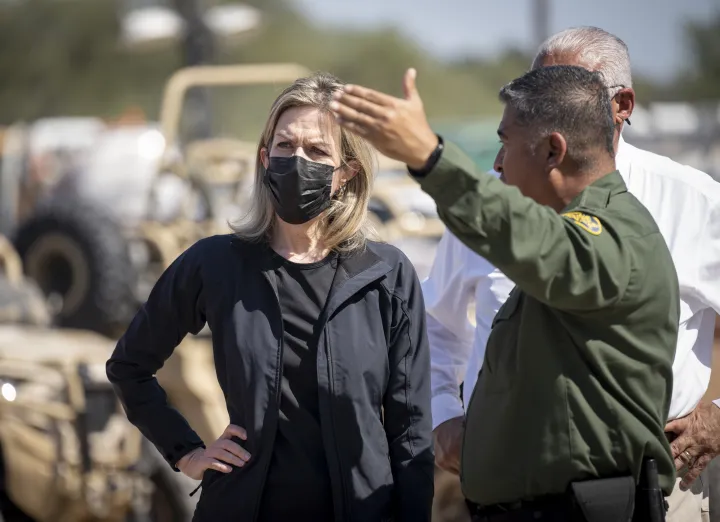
{"x":343,"y":227}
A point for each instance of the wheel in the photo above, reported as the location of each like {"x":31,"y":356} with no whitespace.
{"x":170,"y":500}
{"x":80,"y":259}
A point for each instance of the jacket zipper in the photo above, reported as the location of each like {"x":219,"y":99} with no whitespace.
{"x":278,"y":395}
{"x":343,"y":488}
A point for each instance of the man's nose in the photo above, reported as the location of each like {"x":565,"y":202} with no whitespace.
{"x":498,"y":165}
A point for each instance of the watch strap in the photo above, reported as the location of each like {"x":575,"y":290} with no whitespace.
{"x":431,"y":161}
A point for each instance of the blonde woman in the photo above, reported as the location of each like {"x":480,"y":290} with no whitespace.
{"x":318,"y":336}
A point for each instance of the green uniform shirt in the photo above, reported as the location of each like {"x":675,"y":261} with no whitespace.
{"x":577,"y":375}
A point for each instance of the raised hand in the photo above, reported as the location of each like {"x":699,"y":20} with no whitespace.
{"x":397,"y":127}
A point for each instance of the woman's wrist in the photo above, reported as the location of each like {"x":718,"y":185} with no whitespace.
{"x":188,"y":457}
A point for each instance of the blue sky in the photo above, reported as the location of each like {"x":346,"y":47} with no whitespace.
{"x":653,"y":29}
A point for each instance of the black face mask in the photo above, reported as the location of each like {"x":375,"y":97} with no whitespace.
{"x":300,"y":188}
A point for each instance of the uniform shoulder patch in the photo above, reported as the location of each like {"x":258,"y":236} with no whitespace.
{"x":587,"y":222}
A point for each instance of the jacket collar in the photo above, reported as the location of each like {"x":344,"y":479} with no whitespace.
{"x":355,"y":271}
{"x":599,"y":193}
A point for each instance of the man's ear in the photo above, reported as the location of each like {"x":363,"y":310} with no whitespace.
{"x":625,"y":99}
{"x":557,"y":149}
{"x":264,"y":159}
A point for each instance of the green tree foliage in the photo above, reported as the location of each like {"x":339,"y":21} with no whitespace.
{"x":65,"y":58}
{"x":702,"y":82}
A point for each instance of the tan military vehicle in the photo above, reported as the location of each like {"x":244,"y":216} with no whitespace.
{"x":67,"y":451}
{"x":96,"y":219}
{"x":405,"y":211}
{"x":102,"y":267}
{"x":96,"y":222}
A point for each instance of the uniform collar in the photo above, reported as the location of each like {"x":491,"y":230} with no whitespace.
{"x":599,"y":193}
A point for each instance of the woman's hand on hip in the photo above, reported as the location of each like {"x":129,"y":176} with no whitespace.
{"x":221,"y":455}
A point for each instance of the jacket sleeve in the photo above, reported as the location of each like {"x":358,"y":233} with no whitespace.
{"x":173,"y":309}
{"x":407,"y":417}
{"x":547,"y":255}
{"x":448,"y":292}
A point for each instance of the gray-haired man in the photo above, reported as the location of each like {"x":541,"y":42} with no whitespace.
{"x":684,"y":202}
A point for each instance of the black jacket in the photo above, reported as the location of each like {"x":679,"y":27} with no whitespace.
{"x":373,"y":376}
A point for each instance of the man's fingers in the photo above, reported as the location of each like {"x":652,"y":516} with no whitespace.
{"x":447,"y":438}
{"x":680,"y":444}
{"x":234,"y":448}
{"x":370,"y":95}
{"x":234,"y":431}
{"x":348,"y":114}
{"x":362,"y":105}
{"x":677,"y":426}
{"x":687,"y":456}
{"x":448,"y":463}
{"x":353,"y":127}
{"x":694,"y":472}
{"x":409,"y":88}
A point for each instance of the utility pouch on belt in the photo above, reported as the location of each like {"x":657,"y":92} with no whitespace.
{"x":651,"y":504}
{"x":602,"y":500}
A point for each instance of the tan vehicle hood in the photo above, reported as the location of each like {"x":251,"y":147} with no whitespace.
{"x":53,"y":346}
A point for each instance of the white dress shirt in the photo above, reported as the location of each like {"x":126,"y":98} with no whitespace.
{"x":686,"y":206}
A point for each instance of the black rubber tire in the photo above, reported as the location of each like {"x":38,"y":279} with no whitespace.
{"x":74,"y":249}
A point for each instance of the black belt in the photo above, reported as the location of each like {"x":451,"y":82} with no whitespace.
{"x":558,"y":508}
{"x":616,"y":499}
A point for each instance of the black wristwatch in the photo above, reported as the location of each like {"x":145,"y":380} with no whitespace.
{"x":431,"y":161}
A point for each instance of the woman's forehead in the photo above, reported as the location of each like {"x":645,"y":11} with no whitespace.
{"x":307,"y":123}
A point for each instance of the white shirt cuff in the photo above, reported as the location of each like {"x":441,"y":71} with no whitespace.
{"x":446,"y":406}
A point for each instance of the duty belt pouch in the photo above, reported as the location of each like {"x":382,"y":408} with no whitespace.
{"x":603,"y":500}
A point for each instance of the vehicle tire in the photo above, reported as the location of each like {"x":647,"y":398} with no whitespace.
{"x":171,"y":500}
{"x":78,"y":256}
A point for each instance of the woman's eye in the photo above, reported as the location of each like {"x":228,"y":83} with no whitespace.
{"x":319,"y":151}
{"x":283,"y":145}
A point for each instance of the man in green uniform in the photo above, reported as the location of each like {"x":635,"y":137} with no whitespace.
{"x":577,"y":375}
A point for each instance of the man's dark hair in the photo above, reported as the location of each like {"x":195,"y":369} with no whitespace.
{"x":566,"y":99}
